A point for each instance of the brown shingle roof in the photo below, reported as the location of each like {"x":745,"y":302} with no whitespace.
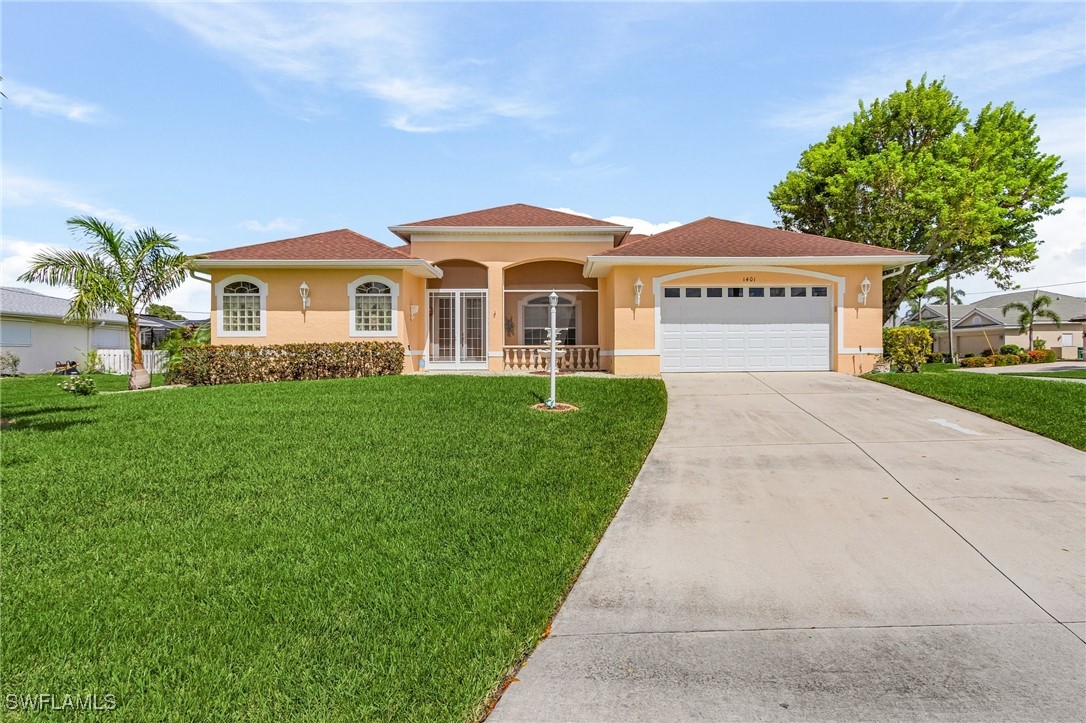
{"x":717,"y":238}
{"x":343,"y":244}
{"x":513,"y":215}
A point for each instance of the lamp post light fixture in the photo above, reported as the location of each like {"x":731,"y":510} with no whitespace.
{"x":865,"y":289}
{"x":638,"y":288}
{"x":304,"y":291}
{"x":553,"y":298}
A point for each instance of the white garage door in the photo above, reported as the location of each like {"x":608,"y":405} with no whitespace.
{"x":745,"y":328}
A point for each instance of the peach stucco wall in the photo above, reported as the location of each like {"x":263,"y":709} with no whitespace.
{"x":328,"y":317}
{"x":635,"y":343}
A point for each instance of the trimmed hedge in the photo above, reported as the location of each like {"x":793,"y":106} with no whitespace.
{"x":245,"y":363}
{"x":1037,"y":356}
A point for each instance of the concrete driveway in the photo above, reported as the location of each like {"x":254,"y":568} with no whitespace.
{"x":816,"y":546}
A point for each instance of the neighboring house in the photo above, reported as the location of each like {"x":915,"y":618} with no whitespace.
{"x":154,"y":329}
{"x":470,"y":292}
{"x":982,"y":325}
{"x":32,"y":327}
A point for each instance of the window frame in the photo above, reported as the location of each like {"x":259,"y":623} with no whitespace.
{"x":220,"y":292}
{"x":352,"y":298}
{"x":524,"y":303}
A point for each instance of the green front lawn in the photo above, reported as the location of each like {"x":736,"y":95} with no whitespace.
{"x":1053,"y":410}
{"x":375,"y":549}
{"x":1072,"y":374}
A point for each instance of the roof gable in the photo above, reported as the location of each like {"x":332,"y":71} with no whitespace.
{"x":515,"y":215}
{"x":717,"y":238}
{"x":340,"y":245}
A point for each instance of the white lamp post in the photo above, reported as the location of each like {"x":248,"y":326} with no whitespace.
{"x":638,"y":286}
{"x":304,"y":291}
{"x":553,"y":298}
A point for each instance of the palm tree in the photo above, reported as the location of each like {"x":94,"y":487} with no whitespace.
{"x":938,"y":296}
{"x":1028,"y":315}
{"x":121,"y":272}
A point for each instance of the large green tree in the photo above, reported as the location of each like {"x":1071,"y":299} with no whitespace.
{"x":162,"y":311}
{"x":121,"y":272}
{"x":915,"y":172}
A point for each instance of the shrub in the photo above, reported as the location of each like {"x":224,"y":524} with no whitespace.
{"x":971,"y":362}
{"x":1042,"y":356}
{"x":1023,"y":357}
{"x":937,"y":358}
{"x":244,"y":363}
{"x":1038,"y":344}
{"x":80,"y":385}
{"x":179,"y":339}
{"x":92,"y":362}
{"x":906,"y":346}
{"x":987,"y":352}
{"x":9,"y":364}
{"x":1004,"y":360}
{"x":969,"y":356}
{"x":1011,"y":349}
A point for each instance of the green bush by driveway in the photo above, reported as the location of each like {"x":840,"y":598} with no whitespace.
{"x":1053,"y":409}
{"x":357,"y":549}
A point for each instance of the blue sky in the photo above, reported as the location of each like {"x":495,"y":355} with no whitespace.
{"x":235,"y":124}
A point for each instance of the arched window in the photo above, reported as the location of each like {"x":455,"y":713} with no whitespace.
{"x":373,"y":303}
{"x":535,"y":316}
{"x":242,"y":307}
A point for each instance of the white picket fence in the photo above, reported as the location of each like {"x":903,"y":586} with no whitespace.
{"x":119,"y":361}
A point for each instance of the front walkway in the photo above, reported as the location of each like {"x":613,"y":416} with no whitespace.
{"x":817,"y":546}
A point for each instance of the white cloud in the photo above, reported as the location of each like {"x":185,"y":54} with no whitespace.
{"x":276,"y":224}
{"x":640,"y":225}
{"x":386,"y":52}
{"x":983,"y":61}
{"x":28,"y":191}
{"x":593,"y":151}
{"x":44,"y":102}
{"x":1061,"y":262}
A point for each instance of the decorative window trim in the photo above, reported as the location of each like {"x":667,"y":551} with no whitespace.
{"x":523,"y":303}
{"x":353,"y":301}
{"x":219,"y":287}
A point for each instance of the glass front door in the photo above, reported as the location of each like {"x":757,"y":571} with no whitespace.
{"x":458,"y":329}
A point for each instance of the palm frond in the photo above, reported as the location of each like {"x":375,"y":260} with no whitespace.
{"x":101,"y":236}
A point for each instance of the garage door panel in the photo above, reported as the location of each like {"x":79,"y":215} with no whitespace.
{"x":703,"y":333}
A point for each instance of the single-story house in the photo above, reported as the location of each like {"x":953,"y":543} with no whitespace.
{"x":470,"y":291}
{"x":982,"y":325}
{"x":32,"y":327}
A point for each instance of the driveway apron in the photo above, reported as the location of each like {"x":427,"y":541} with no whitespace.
{"x":807,"y":546}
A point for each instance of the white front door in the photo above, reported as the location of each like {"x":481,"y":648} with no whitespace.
{"x":745,"y":328}
{"x":457,"y":329}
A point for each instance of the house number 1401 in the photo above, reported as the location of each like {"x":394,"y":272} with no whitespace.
{"x":749,"y":279}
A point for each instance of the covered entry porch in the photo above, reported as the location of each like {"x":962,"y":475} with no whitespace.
{"x":526,"y":313}
{"x":463,"y":312}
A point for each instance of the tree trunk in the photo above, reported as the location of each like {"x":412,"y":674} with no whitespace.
{"x":138,"y":378}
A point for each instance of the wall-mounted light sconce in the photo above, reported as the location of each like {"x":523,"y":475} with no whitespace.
{"x":414,"y":311}
{"x":865,"y":289}
{"x":304,"y":291}
{"x":638,"y":288}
